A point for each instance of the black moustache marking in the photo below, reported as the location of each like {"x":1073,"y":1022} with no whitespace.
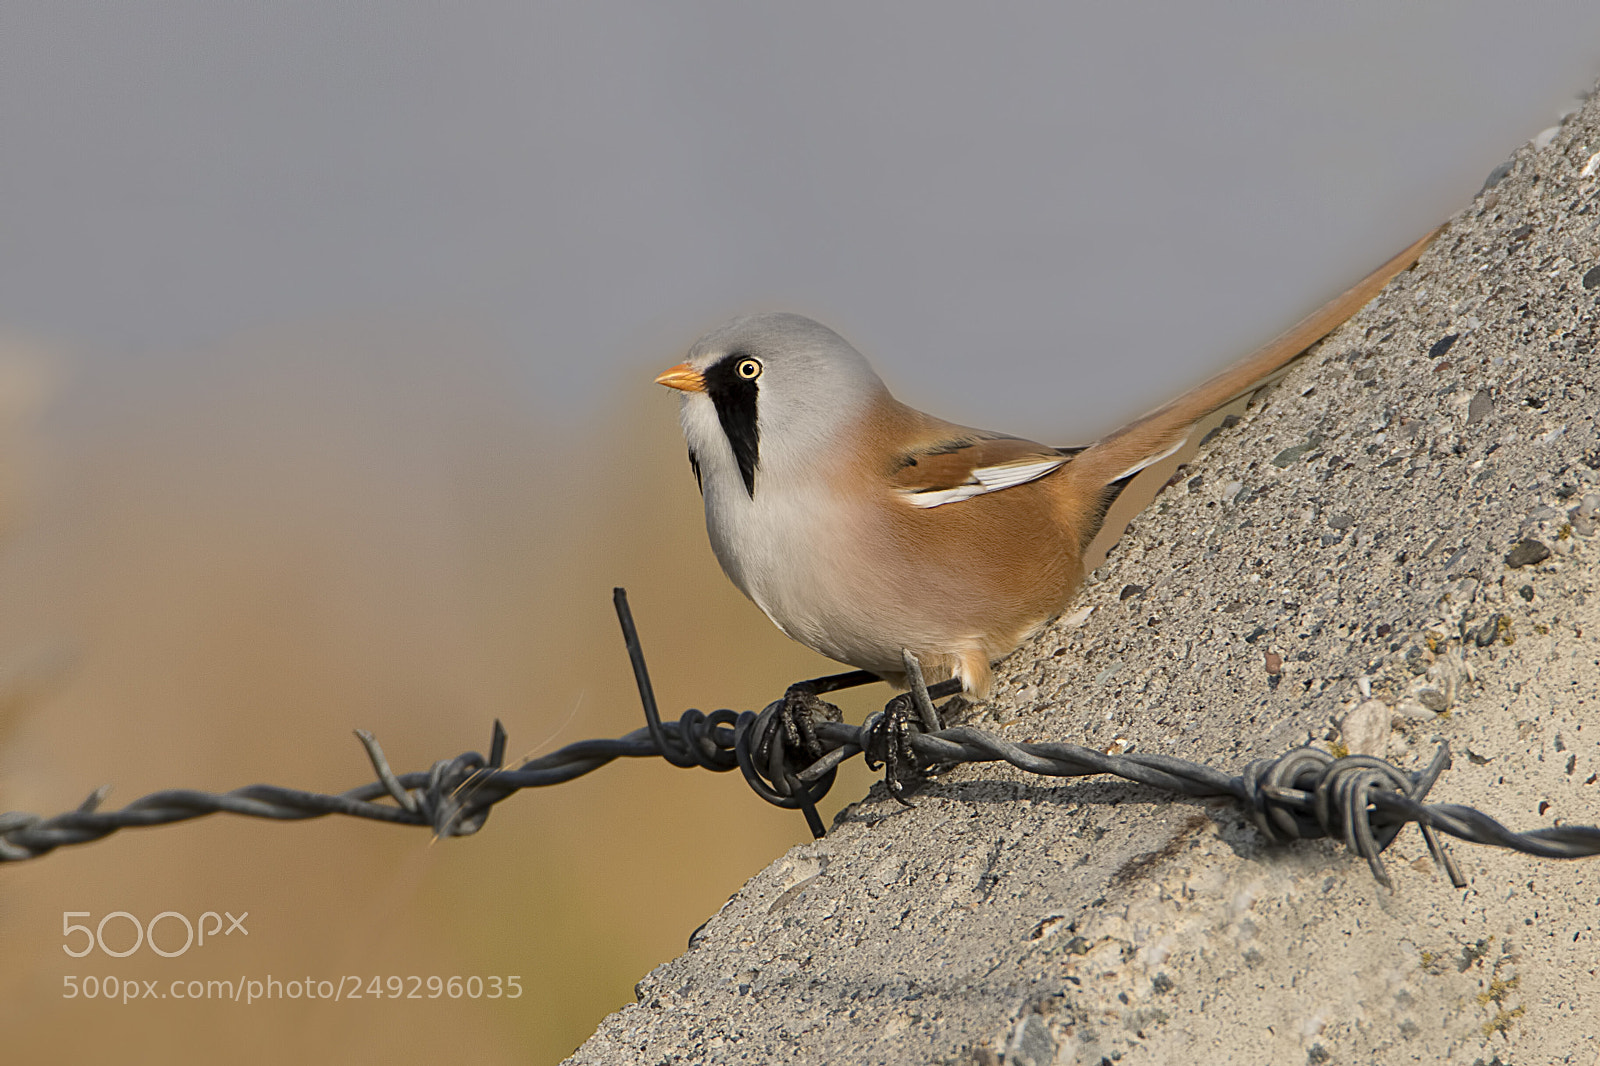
{"x":735,"y":401}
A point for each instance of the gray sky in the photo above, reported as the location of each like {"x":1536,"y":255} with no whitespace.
{"x":1031,"y":217}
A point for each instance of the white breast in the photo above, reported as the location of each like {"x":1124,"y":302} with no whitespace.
{"x":787,"y":548}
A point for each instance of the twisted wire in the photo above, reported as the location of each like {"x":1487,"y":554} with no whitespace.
{"x":1362,"y":801}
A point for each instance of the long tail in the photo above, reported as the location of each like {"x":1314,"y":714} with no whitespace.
{"x":1098,"y":471}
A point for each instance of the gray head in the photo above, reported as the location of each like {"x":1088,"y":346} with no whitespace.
{"x":768,"y":391}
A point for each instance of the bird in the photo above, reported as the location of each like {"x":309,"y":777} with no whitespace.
{"x":889,"y":539}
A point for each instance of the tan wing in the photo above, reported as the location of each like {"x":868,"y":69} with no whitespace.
{"x":959,"y":468}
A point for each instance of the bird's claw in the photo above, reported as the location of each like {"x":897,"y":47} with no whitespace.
{"x":801,"y":709}
{"x":906,"y":714}
{"x":890,"y":746}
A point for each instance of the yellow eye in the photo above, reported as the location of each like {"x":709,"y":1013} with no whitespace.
{"x":748,"y":369}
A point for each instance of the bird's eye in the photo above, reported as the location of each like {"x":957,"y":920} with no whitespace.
{"x":748,"y":369}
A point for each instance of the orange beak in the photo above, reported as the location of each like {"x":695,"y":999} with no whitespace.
{"x":682,"y":377}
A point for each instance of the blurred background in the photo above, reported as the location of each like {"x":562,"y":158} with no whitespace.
{"x":326,"y":343}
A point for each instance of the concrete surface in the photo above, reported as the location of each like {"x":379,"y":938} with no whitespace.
{"x":1342,"y":566}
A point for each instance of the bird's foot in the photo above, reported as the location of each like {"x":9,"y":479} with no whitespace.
{"x":800,"y":712}
{"x":908,"y":713}
{"x":801,"y":708}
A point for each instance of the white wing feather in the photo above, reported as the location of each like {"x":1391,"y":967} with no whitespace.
{"x":988,"y":479}
{"x":1151,"y":460}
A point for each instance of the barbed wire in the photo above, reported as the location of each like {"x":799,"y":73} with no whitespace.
{"x":1306,"y":793}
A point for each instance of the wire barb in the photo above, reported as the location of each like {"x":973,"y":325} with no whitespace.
{"x":385,"y":775}
{"x":1363,"y":802}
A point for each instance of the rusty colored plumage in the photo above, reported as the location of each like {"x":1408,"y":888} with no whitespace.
{"x":863,"y":527}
